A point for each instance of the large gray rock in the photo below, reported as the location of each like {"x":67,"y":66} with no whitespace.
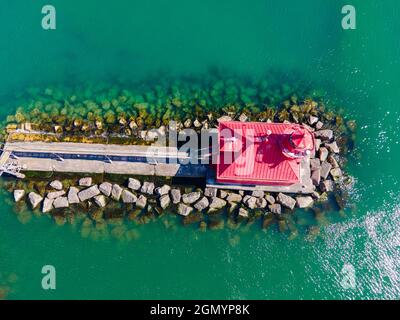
{"x":261,"y":203}
{"x":286,"y":201}
{"x":217,"y":203}
{"x":165,"y":201}
{"x":85,"y":182}
{"x":73,"y":195}
{"x":128,"y":197}
{"x":223,"y":193}
{"x":316,"y":177}
{"x":258,"y":193}
{"x":116,"y":192}
{"x":270,"y":199}
{"x":210,"y":192}
{"x":100,"y":200}
{"x":332,"y":160}
{"x":191,"y":197}
{"x":163,"y":190}
{"x":61,"y":202}
{"x":47,"y":205}
{"x":134,"y":184}
{"x":243,"y":213}
{"x":176,"y":196}
{"x":275,"y":208}
{"x":325,"y":169}
{"x":327,"y":185}
{"x":184,"y":210}
{"x":324,"y":135}
{"x":88,"y":193}
{"x":312,"y":120}
{"x":336,"y":173}
{"x":202,"y":204}
{"x":55,"y":194}
{"x":323,"y":154}
{"x":315,"y":164}
{"x":148,"y":187}
{"x":250,"y":202}
{"x":18,"y":194}
{"x":304,"y":202}
{"x":243,"y":117}
{"x":105,"y":188}
{"x":56,"y":184}
{"x":141,"y":202}
{"x":317,"y":144}
{"x":234,"y":197}
{"x":34,"y":199}
{"x":319,"y":125}
{"x":332,"y":147}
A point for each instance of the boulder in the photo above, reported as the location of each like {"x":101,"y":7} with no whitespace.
{"x":332,"y":160}
{"x":85,"y":182}
{"x":275,"y":208}
{"x":336,"y":173}
{"x":323,"y":154}
{"x":184,"y":210}
{"x":217,"y":203}
{"x":191,"y":197}
{"x":202,"y":204}
{"x":105,"y":188}
{"x":319,"y":125}
{"x":234,"y":197}
{"x":223,"y":194}
{"x":304,"y":202}
{"x":324,"y":135}
{"x":73,"y":195}
{"x":100,"y":200}
{"x":325,"y":169}
{"x":251,"y":202}
{"x":141,"y":202}
{"x":47,"y":205}
{"x":243,"y":213}
{"x":332,"y":147}
{"x":176,"y":196}
{"x":243,"y":117}
{"x":261,"y":203}
{"x":286,"y":201}
{"x":197,"y":123}
{"x":163,"y":190}
{"x":18,"y":194}
{"x":61,"y":202}
{"x":270,"y":199}
{"x":55,"y":194}
{"x":56,"y":184}
{"x":128,"y":197}
{"x":116,"y":192}
{"x":315,"y":164}
{"x":134,"y":184}
{"x":312,"y":120}
{"x":210,"y":192}
{"x":34,"y":199}
{"x":187,"y":123}
{"x":224,"y":119}
{"x":165,"y":201}
{"x":316,"y":177}
{"x":258,"y":193}
{"x":327,"y":185}
{"x":147,"y":187}
{"x":88,"y":193}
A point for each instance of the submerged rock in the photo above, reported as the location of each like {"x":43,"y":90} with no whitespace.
{"x":105,"y":188}
{"x":88,"y":193}
{"x":286,"y":201}
{"x":243,"y":213}
{"x":85,"y":182}
{"x":73,"y":195}
{"x":56,"y":184}
{"x":134,"y":184}
{"x":61,"y":202}
{"x":336,"y":173}
{"x":18,"y":194}
{"x":128,"y":197}
{"x":34,"y":199}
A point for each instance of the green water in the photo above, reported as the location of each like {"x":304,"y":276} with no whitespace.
{"x":136,"y":39}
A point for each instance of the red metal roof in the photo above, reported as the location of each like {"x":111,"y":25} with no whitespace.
{"x":251,"y":153}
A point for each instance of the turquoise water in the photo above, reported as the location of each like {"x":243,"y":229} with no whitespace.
{"x":134,"y":40}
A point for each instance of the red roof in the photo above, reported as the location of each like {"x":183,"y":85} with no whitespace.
{"x":251,"y":153}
